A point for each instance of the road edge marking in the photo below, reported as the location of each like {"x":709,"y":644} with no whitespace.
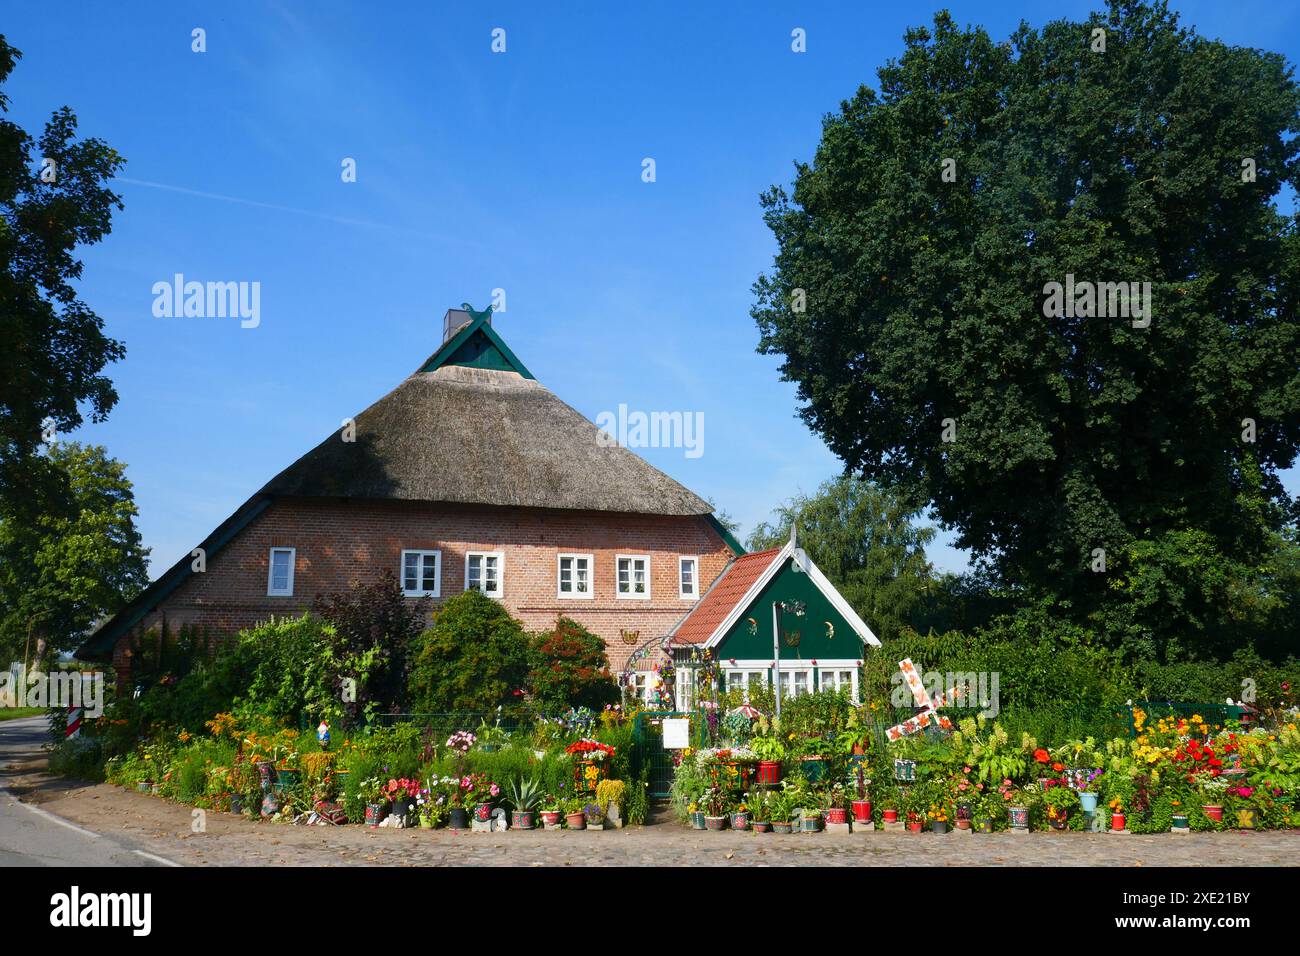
{"x":157,"y":859}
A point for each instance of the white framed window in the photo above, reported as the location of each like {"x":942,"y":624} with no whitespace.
{"x":688,"y":578}
{"x":632,"y":576}
{"x":638,"y":685}
{"x":279,"y":576}
{"x":747,"y":677}
{"x":421,"y":573}
{"x":573,"y":576}
{"x":484,"y":571}
{"x":795,"y":681}
{"x":838,"y":678}
{"x":684,"y":687}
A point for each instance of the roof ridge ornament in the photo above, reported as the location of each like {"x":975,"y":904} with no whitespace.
{"x":475,"y":316}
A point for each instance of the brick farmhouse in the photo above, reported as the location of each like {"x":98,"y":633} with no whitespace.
{"x":469,"y":474}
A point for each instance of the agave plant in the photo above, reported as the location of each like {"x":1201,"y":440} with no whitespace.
{"x":524,"y":793}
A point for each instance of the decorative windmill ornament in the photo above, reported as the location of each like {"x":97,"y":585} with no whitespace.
{"x":929,"y":707}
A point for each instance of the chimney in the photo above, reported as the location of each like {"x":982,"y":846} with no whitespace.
{"x":454,"y":321}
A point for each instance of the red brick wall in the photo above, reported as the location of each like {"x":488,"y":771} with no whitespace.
{"x":341,"y":541}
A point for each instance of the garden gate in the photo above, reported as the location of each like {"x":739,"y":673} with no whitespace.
{"x":648,"y":741}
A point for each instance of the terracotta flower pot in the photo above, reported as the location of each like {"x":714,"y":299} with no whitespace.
{"x":576,"y":821}
{"x":1213,"y":812}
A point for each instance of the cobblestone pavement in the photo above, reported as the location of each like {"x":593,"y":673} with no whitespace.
{"x":166,"y":829}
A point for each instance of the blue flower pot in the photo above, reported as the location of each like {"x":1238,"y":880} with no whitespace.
{"x":1088,"y":801}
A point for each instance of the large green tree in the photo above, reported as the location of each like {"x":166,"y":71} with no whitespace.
{"x":866,"y":540}
{"x":474,"y":658}
{"x":70,"y":552}
{"x":909,"y":296}
{"x":53,"y":198}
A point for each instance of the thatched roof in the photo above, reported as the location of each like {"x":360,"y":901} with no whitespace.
{"x":482,"y":436}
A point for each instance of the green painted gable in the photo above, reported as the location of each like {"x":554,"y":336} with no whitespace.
{"x":477,"y":345}
{"x":815,"y":641}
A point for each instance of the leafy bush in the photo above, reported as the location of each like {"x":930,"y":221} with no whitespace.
{"x":569,"y":668}
{"x":474,"y":658}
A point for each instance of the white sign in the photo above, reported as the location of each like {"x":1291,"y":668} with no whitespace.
{"x":677,"y":733}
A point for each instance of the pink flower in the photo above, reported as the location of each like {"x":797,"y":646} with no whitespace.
{"x":495,"y":790}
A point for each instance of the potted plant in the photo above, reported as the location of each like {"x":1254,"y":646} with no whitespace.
{"x":523,"y":795}
{"x":836,"y":811}
{"x":770,"y":752}
{"x":1060,"y":801}
{"x":740,"y":816}
{"x":714,"y":805}
{"x":1117,"y":819}
{"x":1212,"y":802}
{"x":783,"y":807}
{"x":491,"y":737}
{"x":987,"y":808}
{"x":812,"y":758}
{"x":695,"y":815}
{"x":612,"y":796}
{"x":575,"y":817}
{"x":551,"y":812}
{"x":401,"y":795}
{"x":371,"y":791}
{"x":595,"y":815}
{"x":760,"y":814}
{"x":938,"y":817}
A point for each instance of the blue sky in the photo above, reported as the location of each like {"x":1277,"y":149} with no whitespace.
{"x":475,"y":171}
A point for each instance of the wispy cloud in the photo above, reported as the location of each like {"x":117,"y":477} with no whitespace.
{"x":460,"y":240}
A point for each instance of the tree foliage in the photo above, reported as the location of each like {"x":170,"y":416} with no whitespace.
{"x":69,"y":549}
{"x":923,"y":300}
{"x":865,"y":540}
{"x":55,"y":348}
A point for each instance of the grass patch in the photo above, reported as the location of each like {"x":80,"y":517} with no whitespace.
{"x":17,"y":713}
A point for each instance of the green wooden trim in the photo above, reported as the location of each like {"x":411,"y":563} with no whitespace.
{"x":726,"y":535}
{"x":100,"y":646}
{"x":447,"y":354}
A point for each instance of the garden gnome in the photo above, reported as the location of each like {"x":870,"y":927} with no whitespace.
{"x":323,"y":735}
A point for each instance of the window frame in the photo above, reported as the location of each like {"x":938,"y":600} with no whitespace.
{"x":270,"y":571}
{"x":437,"y":572}
{"x":575,"y":594}
{"x":631,"y":595}
{"x":501,"y":572}
{"x":694,"y":559}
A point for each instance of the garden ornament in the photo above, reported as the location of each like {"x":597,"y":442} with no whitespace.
{"x":929,"y":708}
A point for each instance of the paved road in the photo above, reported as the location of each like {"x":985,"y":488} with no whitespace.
{"x":29,"y":836}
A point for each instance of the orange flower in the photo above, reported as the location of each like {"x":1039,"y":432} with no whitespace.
{"x":1058,"y":767}
{"x":1041,"y":755}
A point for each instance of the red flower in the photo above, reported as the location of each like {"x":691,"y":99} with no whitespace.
{"x":1041,"y":755}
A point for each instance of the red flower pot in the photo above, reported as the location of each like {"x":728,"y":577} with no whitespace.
{"x":862,"y":811}
{"x":837,"y":815}
{"x":1117,"y":821}
{"x":769,"y":771}
{"x":551,"y":818}
{"x":890,"y":816}
{"x":914,"y":827}
{"x":1214,"y":813}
